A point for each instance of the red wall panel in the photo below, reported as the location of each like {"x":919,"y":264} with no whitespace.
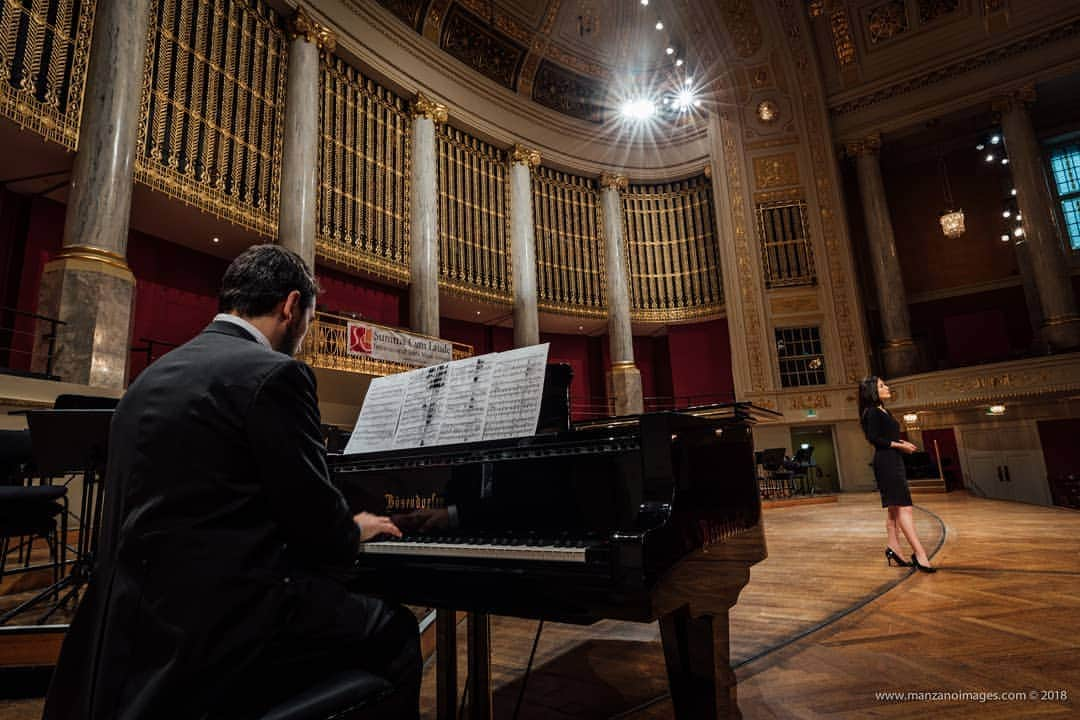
{"x":701,"y":363}
{"x":344,"y":293}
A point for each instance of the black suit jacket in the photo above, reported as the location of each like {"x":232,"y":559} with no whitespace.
{"x":217,"y":498}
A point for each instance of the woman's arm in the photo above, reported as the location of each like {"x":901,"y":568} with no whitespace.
{"x":876,"y":430}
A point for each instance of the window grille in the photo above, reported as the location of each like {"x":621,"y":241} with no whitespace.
{"x":785,"y":244}
{"x":802,"y":361}
{"x":1065,"y":167}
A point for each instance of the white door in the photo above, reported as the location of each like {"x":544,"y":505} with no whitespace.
{"x":987,"y":476}
{"x":1025,"y":477}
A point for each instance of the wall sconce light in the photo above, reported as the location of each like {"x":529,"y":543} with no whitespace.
{"x":996,"y":410}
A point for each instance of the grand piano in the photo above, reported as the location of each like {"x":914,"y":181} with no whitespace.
{"x":639,"y":518}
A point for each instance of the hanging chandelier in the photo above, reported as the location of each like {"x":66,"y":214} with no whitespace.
{"x":952,"y":219}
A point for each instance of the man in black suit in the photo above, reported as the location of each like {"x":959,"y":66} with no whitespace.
{"x":215,"y":594}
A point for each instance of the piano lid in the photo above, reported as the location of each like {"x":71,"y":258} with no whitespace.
{"x":739,"y":411}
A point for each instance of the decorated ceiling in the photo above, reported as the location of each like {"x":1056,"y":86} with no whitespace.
{"x":568,"y":55}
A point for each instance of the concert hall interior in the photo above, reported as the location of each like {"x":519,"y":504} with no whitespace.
{"x":721,"y":216}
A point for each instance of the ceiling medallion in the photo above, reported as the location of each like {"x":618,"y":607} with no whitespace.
{"x":768,"y":111}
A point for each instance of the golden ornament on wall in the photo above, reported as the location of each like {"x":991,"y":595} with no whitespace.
{"x":776,"y":171}
{"x":768,"y":111}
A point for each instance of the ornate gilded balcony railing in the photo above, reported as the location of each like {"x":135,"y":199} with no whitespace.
{"x":365,"y":141}
{"x":327,"y":346}
{"x":473,"y":220}
{"x":44,"y":53}
{"x":672,"y":252}
{"x":569,"y":244}
{"x":213,"y":108}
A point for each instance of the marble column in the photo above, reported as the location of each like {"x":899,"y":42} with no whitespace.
{"x":1031,"y":292}
{"x":1060,"y":323}
{"x":88,"y":285}
{"x":423,"y":230}
{"x":624,"y":379}
{"x":299,"y":158}
{"x":523,"y":246}
{"x":899,"y":352}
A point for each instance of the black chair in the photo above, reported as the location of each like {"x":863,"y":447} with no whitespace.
{"x":352,"y":695}
{"x":27,"y":513}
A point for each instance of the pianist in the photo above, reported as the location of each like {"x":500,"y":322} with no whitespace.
{"x":214,"y":595}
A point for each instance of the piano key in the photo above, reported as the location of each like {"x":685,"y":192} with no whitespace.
{"x":547,"y":553}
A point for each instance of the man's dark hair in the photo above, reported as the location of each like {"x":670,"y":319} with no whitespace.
{"x":261,"y":277}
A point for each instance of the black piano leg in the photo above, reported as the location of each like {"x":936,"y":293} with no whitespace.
{"x":479,"y":690}
{"x":699,"y":665}
{"x":446,"y":695}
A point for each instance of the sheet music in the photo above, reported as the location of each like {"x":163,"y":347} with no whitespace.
{"x":466,"y":402}
{"x":481,"y":398}
{"x":517,"y":388}
{"x":421,"y":411}
{"x":378,"y":420}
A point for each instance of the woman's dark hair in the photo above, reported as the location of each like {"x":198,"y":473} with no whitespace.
{"x":261,"y":277}
{"x":868,"y":398}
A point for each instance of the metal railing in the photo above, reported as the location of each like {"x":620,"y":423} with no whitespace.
{"x":10,"y":347}
{"x":149,"y":346}
{"x":327,"y":346}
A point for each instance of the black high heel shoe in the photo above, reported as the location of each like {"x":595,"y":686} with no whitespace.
{"x":924,"y":568}
{"x":892,"y":556}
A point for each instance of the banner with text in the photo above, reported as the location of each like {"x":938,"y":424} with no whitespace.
{"x":379,"y":343}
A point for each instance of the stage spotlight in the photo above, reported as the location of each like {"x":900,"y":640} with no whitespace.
{"x":679,"y":62}
{"x":659,"y":24}
{"x":685,"y":99}
{"x":995,"y":139}
{"x":990,"y":157}
{"x":639,"y":109}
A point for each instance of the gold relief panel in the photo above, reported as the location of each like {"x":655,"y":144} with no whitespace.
{"x":843,"y":43}
{"x":806,"y":402}
{"x":886,"y":21}
{"x":744,"y":271}
{"x":794,"y":304}
{"x":1053,"y":376}
{"x":742,"y":26}
{"x":43,"y":76}
{"x":773,"y":196}
{"x":760,"y":77}
{"x":776,"y":171}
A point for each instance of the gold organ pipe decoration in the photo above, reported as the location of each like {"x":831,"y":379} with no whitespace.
{"x":212,"y":110}
{"x":474,"y":222}
{"x":671,"y":250}
{"x":569,"y":244}
{"x":364,"y":149}
{"x":44,"y":53}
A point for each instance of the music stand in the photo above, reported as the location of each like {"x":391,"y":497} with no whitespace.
{"x":66,"y":442}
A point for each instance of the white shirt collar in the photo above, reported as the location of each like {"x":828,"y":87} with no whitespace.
{"x":251,"y":329}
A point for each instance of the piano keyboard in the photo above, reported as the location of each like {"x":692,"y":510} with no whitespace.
{"x":492,"y":550}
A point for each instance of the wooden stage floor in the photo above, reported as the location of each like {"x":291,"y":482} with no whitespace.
{"x":824,"y":625}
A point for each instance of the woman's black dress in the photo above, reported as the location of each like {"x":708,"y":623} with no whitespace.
{"x":882,"y":430}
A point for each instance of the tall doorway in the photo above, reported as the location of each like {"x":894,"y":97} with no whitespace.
{"x":817,"y":442}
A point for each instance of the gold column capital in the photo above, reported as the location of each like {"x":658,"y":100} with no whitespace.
{"x":613,"y":181}
{"x":303,"y":25}
{"x":425,"y":107}
{"x":525,"y":156}
{"x":1023,"y":96}
{"x":869,"y":145}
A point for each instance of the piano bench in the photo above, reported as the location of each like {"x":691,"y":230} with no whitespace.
{"x":352,"y":695}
